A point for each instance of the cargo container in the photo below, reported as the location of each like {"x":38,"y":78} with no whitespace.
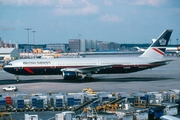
{"x":2,"y":108}
{"x":2,"y":101}
{"x":141,"y":113}
{"x":30,"y":117}
{"x":104,"y":99}
{"x":73,"y":101}
{"x":124,"y":115}
{"x":2,"y":104}
{"x":170,"y":108}
{"x":106,"y":116}
{"x":8,"y":100}
{"x":19,"y":104}
{"x":34,"y":101}
{"x":58,"y":103}
{"x":45,"y":99}
{"x":37,"y":103}
{"x":155,"y":112}
{"x":156,"y":97}
{"x":40,"y":104}
{"x":67,"y":115}
{"x":70,"y":101}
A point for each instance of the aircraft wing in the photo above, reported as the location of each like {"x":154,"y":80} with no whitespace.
{"x":88,"y":69}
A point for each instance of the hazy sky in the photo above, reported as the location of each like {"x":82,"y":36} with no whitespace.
{"x":57,"y":21}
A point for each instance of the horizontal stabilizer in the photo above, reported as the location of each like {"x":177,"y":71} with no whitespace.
{"x":162,"y":62}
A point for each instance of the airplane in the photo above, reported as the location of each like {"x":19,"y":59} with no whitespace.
{"x":140,"y":49}
{"x":175,"y":50}
{"x":75,"y":68}
{"x":168,"y":49}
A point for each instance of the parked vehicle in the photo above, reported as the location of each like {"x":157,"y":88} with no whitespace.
{"x":10,"y":88}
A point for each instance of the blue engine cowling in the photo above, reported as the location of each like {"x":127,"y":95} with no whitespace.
{"x":70,"y":75}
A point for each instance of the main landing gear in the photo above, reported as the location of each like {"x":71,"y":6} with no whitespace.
{"x":88,"y":76}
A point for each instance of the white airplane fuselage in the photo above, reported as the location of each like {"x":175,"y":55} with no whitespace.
{"x":56,"y":66}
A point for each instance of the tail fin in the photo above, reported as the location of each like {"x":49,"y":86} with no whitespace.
{"x":158,"y":47}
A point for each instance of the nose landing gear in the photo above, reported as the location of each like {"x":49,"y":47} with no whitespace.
{"x":17,"y":77}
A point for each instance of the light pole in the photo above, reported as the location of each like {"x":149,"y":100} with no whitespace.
{"x":28,"y":39}
{"x":177,"y":41}
{"x":33,"y":37}
{"x":28,"y":33}
{"x":170,"y":41}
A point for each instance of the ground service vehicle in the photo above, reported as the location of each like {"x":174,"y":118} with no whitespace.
{"x":10,"y":88}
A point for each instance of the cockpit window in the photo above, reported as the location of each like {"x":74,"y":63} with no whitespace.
{"x":9,"y":64}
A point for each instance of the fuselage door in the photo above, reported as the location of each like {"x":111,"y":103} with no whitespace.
{"x":98,"y":63}
{"x":136,"y":63}
{"x":53,"y":66}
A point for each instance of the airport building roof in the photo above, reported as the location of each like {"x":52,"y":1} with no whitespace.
{"x":9,"y":53}
{"x":6,"y":50}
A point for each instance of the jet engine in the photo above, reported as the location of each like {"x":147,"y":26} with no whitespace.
{"x":70,"y":75}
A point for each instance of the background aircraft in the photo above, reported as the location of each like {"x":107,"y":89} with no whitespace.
{"x":140,"y":49}
{"x":173,"y":50}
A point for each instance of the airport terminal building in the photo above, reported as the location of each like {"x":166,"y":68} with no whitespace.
{"x":82,"y":45}
{"x":9,"y":53}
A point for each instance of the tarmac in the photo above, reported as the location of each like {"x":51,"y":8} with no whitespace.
{"x":158,"y":79}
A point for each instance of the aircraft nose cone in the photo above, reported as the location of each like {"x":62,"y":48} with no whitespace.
{"x":5,"y":69}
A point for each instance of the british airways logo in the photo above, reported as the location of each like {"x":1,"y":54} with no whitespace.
{"x":37,"y":62}
{"x":162,"y":41}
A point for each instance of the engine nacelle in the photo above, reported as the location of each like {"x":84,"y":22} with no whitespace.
{"x":70,"y":75}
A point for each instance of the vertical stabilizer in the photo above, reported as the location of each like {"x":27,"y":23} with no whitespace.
{"x":158,"y":47}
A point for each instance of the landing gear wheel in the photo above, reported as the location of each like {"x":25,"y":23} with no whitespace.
{"x":87,"y":78}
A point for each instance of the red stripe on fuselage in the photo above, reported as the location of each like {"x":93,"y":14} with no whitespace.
{"x":29,"y":70}
{"x":159,"y":51}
